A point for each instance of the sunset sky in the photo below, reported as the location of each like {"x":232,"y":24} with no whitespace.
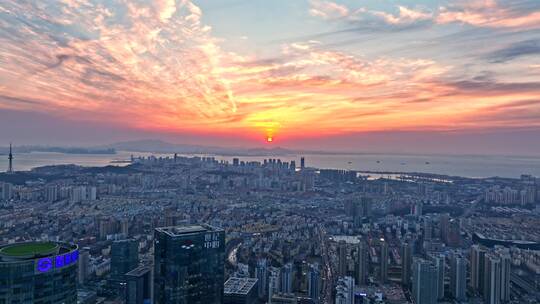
{"x":310,"y":73}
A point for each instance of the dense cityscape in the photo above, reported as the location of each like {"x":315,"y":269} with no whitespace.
{"x":184,"y":229}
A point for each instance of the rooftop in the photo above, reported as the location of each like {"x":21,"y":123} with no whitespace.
{"x":186,"y":229}
{"x":30,"y":249}
{"x":139,"y":271}
{"x":239,"y":285}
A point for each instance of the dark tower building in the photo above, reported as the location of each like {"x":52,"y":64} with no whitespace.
{"x":38,"y":272}
{"x":424,"y":282}
{"x":139,"y":285}
{"x":406,"y":263}
{"x":124,"y":257}
{"x":384,"y":261}
{"x":302,"y":163}
{"x":342,"y":258}
{"x":189,"y":265}
{"x":362,"y":263}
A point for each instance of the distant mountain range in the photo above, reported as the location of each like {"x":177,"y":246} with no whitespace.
{"x":159,"y":146}
{"x":65,"y":150}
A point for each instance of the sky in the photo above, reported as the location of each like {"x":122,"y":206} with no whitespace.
{"x":351,"y":75}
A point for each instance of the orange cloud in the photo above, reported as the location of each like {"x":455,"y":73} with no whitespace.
{"x":488,"y":13}
{"x":163,"y":69}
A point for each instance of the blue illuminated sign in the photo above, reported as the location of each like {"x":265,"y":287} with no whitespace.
{"x":46,"y":264}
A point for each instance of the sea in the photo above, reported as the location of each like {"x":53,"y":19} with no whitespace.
{"x":473,"y":166}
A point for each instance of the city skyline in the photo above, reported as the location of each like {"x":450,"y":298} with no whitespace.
{"x":451,"y":76}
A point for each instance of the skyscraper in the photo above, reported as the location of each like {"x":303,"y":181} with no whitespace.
{"x":38,"y":272}
{"x":362,"y":260}
{"x":361,"y":209}
{"x":492,"y":280}
{"x":444,"y":220}
{"x":342,"y":258}
{"x":189,"y":265}
{"x":440,"y":263}
{"x":427,"y":229}
{"x":505,"y":275}
{"x":458,"y":278}
{"x":302,"y":163}
{"x":424,"y":284}
{"x":139,"y":285}
{"x":273,"y":283}
{"x":83,"y":266}
{"x":477,"y":259}
{"x":497,"y":271}
{"x":384,"y":261}
{"x":345,"y":290}
{"x":314,"y":279}
{"x":286,"y":285}
{"x":124,"y":257}
{"x":7,"y":191}
{"x":261,"y":272}
{"x":406,"y":263}
{"x":453,"y":237}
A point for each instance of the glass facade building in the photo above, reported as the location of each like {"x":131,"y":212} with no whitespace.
{"x":38,"y":273}
{"x":139,"y":285}
{"x":189,"y":265}
{"x":124,"y":257}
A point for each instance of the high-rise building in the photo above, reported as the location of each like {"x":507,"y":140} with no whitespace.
{"x":51,"y":193}
{"x":273,"y":283}
{"x":440,"y":264}
{"x":124,"y":257}
{"x":384,"y":261}
{"x":497,"y":271}
{"x":240,"y":291}
{"x":261,"y":272}
{"x":286,"y":285}
{"x":7,"y":191}
{"x":361,"y":209}
{"x":314,"y":283}
{"x":406,"y":263}
{"x":292,"y":166}
{"x":342,"y":258}
{"x":302,"y":163}
{"x":416,"y":208}
{"x":138,"y":285}
{"x":362,"y":262}
{"x":444,"y":220}
{"x":477,"y":264}
{"x":189,"y":265}
{"x":424,"y":283}
{"x":428,"y":229}
{"x":492,"y":280}
{"x":83,"y":267}
{"x":505,"y":275}
{"x":124,"y":227}
{"x":458,"y":278}
{"x":345,"y":290}
{"x":38,"y":272}
{"x":453,"y":237}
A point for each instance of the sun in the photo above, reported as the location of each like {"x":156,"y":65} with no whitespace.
{"x":269,"y":139}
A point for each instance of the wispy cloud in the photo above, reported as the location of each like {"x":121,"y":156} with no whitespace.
{"x":515,"y":50}
{"x":492,"y":13}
